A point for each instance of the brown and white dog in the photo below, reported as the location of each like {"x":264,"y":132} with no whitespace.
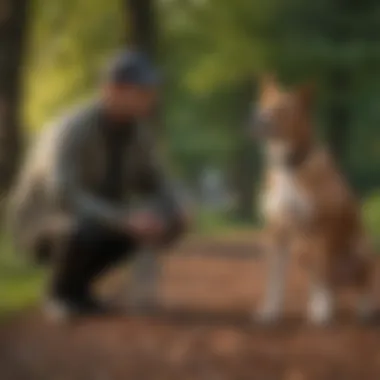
{"x":306,"y":200}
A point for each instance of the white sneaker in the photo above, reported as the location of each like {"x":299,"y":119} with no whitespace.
{"x":57,"y":310}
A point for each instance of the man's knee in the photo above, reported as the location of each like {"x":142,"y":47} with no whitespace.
{"x":87,"y":231}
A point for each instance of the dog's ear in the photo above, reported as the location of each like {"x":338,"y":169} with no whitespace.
{"x":306,"y":94}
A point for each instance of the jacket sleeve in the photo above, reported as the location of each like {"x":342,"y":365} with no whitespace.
{"x":68,"y":189}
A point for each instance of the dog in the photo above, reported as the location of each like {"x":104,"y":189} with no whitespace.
{"x":306,"y":200}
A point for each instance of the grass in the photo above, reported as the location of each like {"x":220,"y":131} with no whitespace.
{"x":220,"y":224}
{"x":371,"y":215}
{"x":20,"y":283}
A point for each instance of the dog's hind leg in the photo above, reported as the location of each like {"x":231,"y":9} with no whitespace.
{"x":366,"y":300}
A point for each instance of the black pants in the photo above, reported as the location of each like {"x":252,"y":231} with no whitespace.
{"x":90,"y":250}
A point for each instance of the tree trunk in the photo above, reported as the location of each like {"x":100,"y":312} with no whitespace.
{"x":246,"y":172}
{"x":13,"y":27}
{"x":246,"y":162}
{"x":142,"y":26}
{"x":142,"y":34}
{"x":339,"y":115}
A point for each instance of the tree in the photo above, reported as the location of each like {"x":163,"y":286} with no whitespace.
{"x":67,"y":55}
{"x":142,"y":31}
{"x":211,"y":51}
{"x":245,"y":159}
{"x":13,"y":28}
{"x":333,"y":42}
{"x":233,"y":45}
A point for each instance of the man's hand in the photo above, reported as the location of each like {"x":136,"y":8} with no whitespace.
{"x":145,"y":225}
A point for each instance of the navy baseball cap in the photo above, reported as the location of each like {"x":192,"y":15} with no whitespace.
{"x":132,"y":67}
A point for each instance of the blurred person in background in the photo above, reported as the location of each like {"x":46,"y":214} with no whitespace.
{"x":72,"y":206}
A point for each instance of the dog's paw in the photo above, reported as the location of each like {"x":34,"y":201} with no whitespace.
{"x":267,"y":316}
{"x":320,"y":310}
{"x":56,"y":311}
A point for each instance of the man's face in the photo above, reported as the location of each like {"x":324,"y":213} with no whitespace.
{"x":126,"y":100}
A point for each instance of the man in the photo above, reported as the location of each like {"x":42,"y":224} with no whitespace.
{"x":73,"y":202}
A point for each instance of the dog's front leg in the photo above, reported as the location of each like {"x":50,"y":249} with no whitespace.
{"x":321,"y":304}
{"x":273,"y":302}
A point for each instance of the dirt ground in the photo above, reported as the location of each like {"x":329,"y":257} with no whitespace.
{"x":203,"y":331}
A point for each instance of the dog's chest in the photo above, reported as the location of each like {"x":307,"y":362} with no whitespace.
{"x":285,"y":200}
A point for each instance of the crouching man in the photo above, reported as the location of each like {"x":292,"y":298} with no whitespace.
{"x":72,"y":205}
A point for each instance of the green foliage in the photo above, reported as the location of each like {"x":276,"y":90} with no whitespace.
{"x":218,"y":45}
{"x":216,"y":223}
{"x":371,"y":215}
{"x":70,"y":41}
{"x":209,"y":51}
